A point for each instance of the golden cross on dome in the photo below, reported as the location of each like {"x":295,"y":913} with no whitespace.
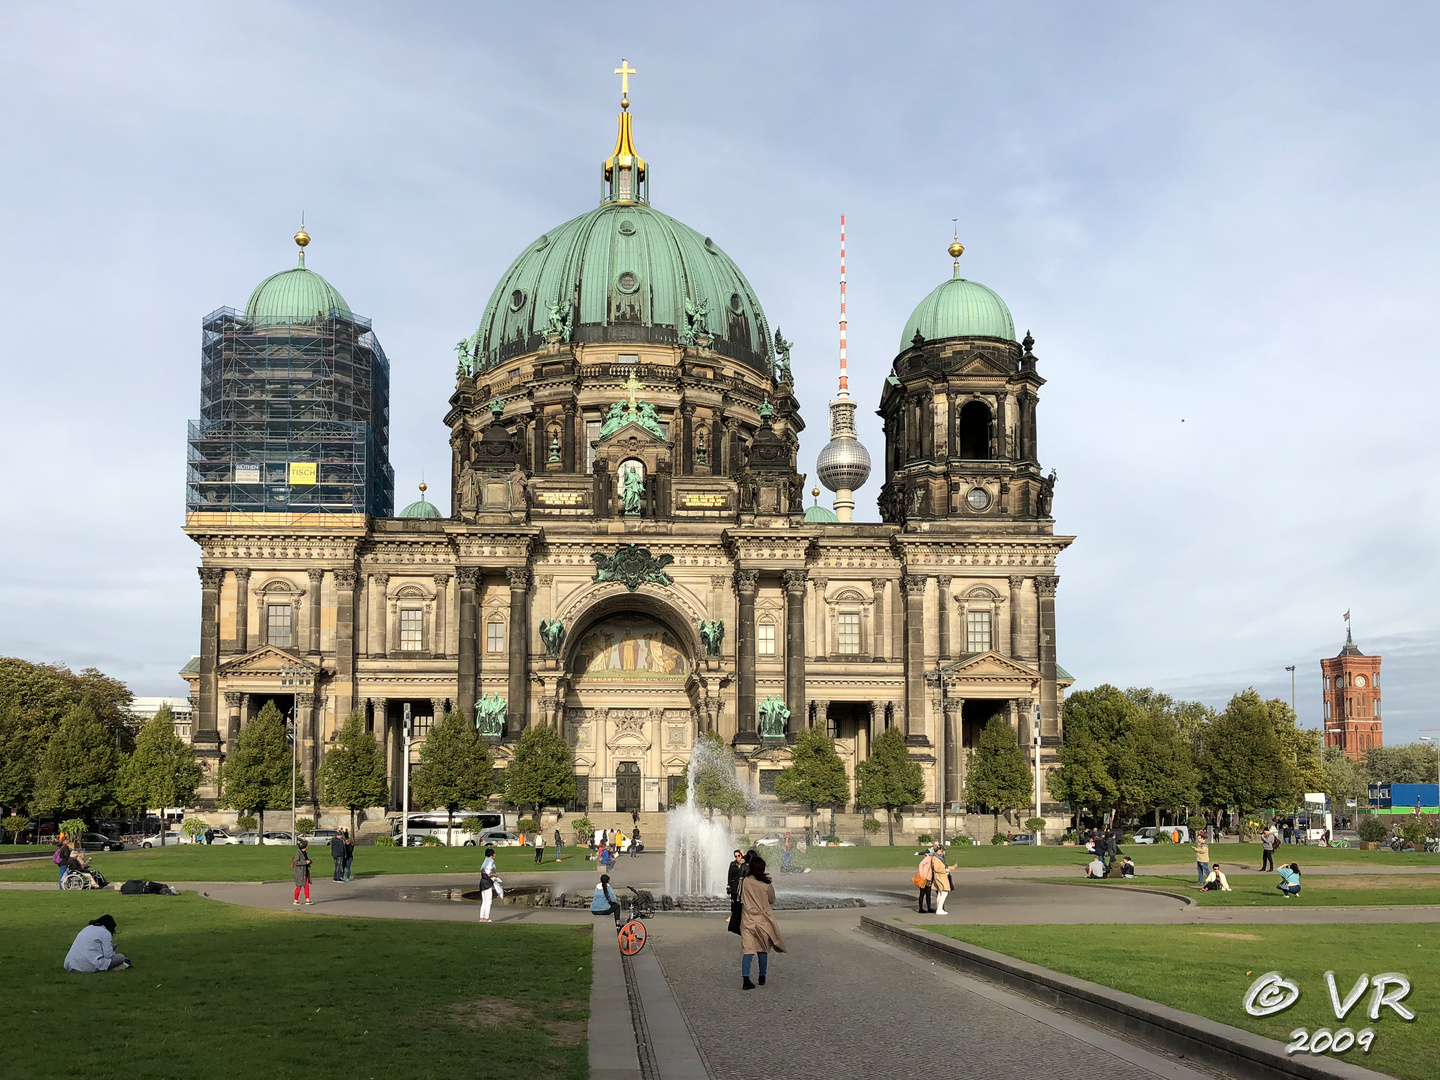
{"x":624,"y":71}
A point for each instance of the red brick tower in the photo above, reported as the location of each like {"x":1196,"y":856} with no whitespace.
{"x":1352,"y":700}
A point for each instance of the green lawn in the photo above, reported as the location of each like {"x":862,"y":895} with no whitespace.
{"x":1317,"y":890}
{"x":232,"y":862}
{"x":1208,"y":970}
{"x":221,"y":991}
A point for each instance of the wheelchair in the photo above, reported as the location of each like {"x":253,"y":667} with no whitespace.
{"x":89,"y":878}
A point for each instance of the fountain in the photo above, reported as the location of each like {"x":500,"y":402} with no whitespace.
{"x":698,"y":845}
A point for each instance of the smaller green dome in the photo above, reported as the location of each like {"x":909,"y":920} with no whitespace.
{"x":818,"y":514}
{"x":959,"y":308}
{"x":420,"y":509}
{"x":295,"y":296}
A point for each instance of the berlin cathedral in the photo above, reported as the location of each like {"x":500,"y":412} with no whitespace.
{"x":624,"y":552}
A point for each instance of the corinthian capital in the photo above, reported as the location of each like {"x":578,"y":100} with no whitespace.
{"x":794,"y":580}
{"x":211,"y":577}
{"x":746,"y":580}
{"x":346,"y":579}
{"x":519,"y":578}
{"x":1046,"y":585}
{"x":915,"y":584}
{"x":467,"y":576}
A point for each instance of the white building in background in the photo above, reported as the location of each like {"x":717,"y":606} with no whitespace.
{"x":146,"y":707}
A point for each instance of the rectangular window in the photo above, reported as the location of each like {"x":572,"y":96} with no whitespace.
{"x":767,"y":781}
{"x":847,"y":637}
{"x":592,"y":436}
{"x":1377,"y":707}
{"x":495,"y":636}
{"x":628,"y":358}
{"x":412,"y":630}
{"x":977,"y":631}
{"x":767,"y":639}
{"x":277,"y":625}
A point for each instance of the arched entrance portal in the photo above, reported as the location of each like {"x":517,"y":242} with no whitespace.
{"x":631,"y":705}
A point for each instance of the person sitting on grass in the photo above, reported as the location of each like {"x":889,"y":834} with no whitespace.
{"x":605,"y":902}
{"x":1215,"y":881}
{"x":1289,"y":880}
{"x":1095,"y":868}
{"x":1127,"y":867}
{"x":94,"y":948}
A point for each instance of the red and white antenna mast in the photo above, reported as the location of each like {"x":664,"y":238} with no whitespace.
{"x":844,"y":377}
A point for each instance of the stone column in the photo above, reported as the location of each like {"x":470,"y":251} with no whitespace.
{"x":467,"y":577}
{"x":242,"y":610}
{"x":437,"y":710}
{"x":794,"y":581}
{"x":877,"y":642}
{"x":822,"y":644}
{"x":233,"y":702}
{"x":345,"y":581}
{"x":1049,"y":712}
{"x":943,"y":614}
{"x":864,"y":732}
{"x":517,"y":707}
{"x":822,"y":716}
{"x":307,"y":736}
{"x":437,"y":633}
{"x":954,"y":751}
{"x":729,"y":447}
{"x":897,"y":620}
{"x":952,"y":447}
{"x":379,"y":612}
{"x":317,"y":582}
{"x":1015,"y":612}
{"x":745,"y":587}
{"x":1002,"y":438}
{"x":915,"y":657}
{"x":207,"y":722}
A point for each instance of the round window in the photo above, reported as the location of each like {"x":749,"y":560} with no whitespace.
{"x":627,"y":227}
{"x":628,"y":282}
{"x":517,"y":300}
{"x":977,"y":498}
{"x":543,"y":242}
{"x":736,"y":304}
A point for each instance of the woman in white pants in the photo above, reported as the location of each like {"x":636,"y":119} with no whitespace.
{"x":487,"y":883}
{"x":941,"y":879}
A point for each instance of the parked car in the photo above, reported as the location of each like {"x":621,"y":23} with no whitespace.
{"x":282,"y":838}
{"x":1147,"y":834}
{"x":171,"y":840}
{"x":322,"y":836}
{"x":250,"y":838}
{"x":769,"y":840}
{"x":1024,"y":839}
{"x":495,"y":839}
{"x":94,"y":841}
{"x":222,"y":836}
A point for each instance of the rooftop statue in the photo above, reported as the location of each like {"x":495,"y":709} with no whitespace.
{"x":782,"y":354}
{"x":558,"y":320}
{"x":696,"y":319}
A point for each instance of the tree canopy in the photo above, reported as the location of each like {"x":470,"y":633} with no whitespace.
{"x":1241,"y":763}
{"x":257,"y":776}
{"x":888,"y":780}
{"x":162,"y":772}
{"x":1406,"y":763}
{"x":709,"y":777}
{"x":454,"y":769}
{"x":77,"y":771}
{"x":997,"y":775}
{"x":816,"y":775}
{"x":543,"y":772}
{"x":352,"y":774}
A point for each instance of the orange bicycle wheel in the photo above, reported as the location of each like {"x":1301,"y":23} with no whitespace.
{"x":632,"y":937}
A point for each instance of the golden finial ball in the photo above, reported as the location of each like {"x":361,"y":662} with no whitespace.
{"x":423,"y":487}
{"x":302,"y":237}
{"x":624,"y":101}
{"x":815,"y":491}
{"x":957,"y":249}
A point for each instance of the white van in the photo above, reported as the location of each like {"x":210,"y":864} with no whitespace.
{"x":1147,"y":834}
{"x":439,"y":825}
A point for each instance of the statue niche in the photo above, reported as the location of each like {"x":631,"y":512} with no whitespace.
{"x":633,"y":464}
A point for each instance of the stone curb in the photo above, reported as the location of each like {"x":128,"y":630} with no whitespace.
{"x":1188,"y":901}
{"x":611,"y":1030}
{"x":1216,"y":1045}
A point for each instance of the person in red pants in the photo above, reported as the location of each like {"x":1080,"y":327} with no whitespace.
{"x":300,"y":862}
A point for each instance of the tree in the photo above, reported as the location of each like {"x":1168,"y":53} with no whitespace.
{"x":1083,"y":778}
{"x":816,"y":776}
{"x":1241,"y":764}
{"x":1153,"y":767}
{"x":1343,"y":780}
{"x":1407,"y":763}
{"x":997,"y":775}
{"x":888,"y":780}
{"x":353,"y":772}
{"x":77,"y":771}
{"x":543,"y":772}
{"x":454,"y":769}
{"x":258,"y":776}
{"x":713,"y":784}
{"x":15,"y":824}
{"x":1301,"y":750}
{"x":162,"y":772}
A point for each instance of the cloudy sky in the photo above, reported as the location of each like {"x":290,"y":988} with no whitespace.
{"x":1219,"y":224}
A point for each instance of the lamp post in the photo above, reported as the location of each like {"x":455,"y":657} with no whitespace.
{"x":405,"y":784}
{"x":939,"y":682}
{"x":290,"y":676}
{"x":1035,"y":729}
{"x":1291,"y":668}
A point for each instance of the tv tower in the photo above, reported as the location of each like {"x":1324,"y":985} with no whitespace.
{"x":844,"y":464}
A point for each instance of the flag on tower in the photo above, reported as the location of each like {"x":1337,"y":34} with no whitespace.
{"x":1347,"y":614}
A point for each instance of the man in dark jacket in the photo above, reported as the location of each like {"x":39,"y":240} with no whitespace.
{"x":337,"y":852}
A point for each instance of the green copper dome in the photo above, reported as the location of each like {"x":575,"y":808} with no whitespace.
{"x":959,"y":308}
{"x":295,"y":296}
{"x":623,"y":272}
{"x":422,"y":508}
{"x":818,"y":514}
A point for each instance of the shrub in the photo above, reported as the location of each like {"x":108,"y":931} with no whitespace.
{"x":1196,"y":823}
{"x":384,"y":841}
{"x":15,"y":824}
{"x":1162,"y":836}
{"x":963,"y":841}
{"x":743,"y":843}
{"x":870,"y":826}
{"x":73,"y":827}
{"x":1035,"y":824}
{"x":1414,"y":832}
{"x":527,"y":825}
{"x":584,"y":829}
{"x":471,"y":825}
{"x":1372,"y":830}
{"x":997,"y":840}
{"x":430,"y":841}
{"x":246,"y":823}
{"x":925,"y":838}
{"x":305,"y":826}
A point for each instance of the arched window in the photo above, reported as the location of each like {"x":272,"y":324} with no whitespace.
{"x":975,"y":431}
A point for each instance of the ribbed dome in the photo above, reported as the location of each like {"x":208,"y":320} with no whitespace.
{"x":295,"y":296}
{"x":818,"y":514}
{"x":627,"y":271}
{"x":959,"y":308}
{"x":420,"y":509}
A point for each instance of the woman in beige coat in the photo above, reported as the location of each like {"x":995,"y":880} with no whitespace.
{"x":940,"y":878}
{"x":758,"y":932}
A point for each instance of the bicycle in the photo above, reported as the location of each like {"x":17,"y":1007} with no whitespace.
{"x":632,"y":934}
{"x":1339,"y":842}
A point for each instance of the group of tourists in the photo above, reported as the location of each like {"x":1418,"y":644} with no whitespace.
{"x":752,"y":914}
{"x":933,"y":880}
{"x":342,"y":850}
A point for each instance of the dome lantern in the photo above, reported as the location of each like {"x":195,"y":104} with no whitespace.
{"x":958,"y":308}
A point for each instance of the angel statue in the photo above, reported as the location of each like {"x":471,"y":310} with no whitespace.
{"x":558,"y":321}
{"x":695,"y":322}
{"x":552,"y":632}
{"x":782,"y":355}
{"x":465,"y":368}
{"x":712,"y":631}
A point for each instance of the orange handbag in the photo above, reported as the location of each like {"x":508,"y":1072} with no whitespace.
{"x":920,"y":881}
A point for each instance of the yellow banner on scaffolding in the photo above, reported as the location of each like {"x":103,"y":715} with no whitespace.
{"x":302,"y":472}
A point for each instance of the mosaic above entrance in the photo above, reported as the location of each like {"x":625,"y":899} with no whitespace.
{"x":626,"y":647}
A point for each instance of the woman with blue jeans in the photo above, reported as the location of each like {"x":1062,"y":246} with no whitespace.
{"x":759,"y":934}
{"x":605,"y":902}
{"x":63,"y":859}
{"x":1289,"y":880}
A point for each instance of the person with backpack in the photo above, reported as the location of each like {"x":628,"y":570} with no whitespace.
{"x":61,"y":858}
{"x":606,"y":859}
{"x":337,"y":852}
{"x":635,"y":842}
{"x":300,"y":864}
{"x":759,"y":933}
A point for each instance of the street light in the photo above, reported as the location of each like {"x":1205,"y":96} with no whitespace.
{"x":290,"y":675}
{"x":405,"y":785}
{"x":939,"y":681}
{"x":1431,"y":739}
{"x":1035,"y":729}
{"x":1291,"y":668}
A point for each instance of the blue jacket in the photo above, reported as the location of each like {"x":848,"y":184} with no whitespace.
{"x":1288,"y":876}
{"x":603,"y":899}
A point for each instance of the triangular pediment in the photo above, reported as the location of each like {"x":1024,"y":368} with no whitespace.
{"x":992,"y":665}
{"x":267,"y":660}
{"x":632,"y":429}
{"x":981,"y":364}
